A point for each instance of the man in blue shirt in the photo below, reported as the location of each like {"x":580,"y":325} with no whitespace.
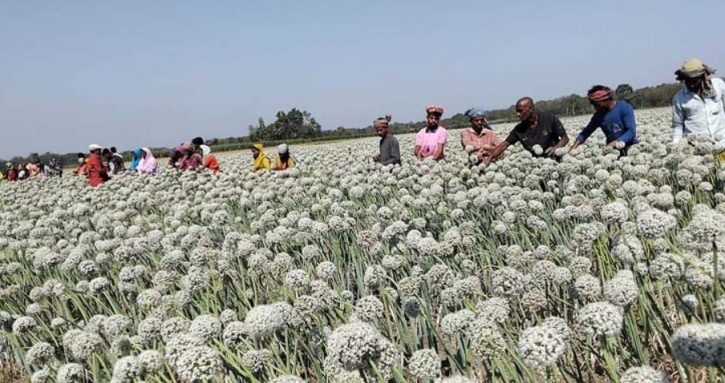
{"x":615,"y":118}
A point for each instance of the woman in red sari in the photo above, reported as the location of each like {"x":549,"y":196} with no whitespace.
{"x":97,"y":172}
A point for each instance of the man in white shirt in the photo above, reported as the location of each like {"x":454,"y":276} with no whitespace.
{"x":699,"y":107}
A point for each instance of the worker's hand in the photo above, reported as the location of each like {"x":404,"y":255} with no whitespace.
{"x":613,"y":144}
{"x":550,"y":152}
{"x":486,"y":161}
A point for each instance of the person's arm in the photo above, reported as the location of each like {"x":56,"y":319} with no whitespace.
{"x":678,"y":121}
{"x":418,"y":145}
{"x":441,"y":145}
{"x":630,"y":126}
{"x":497,"y":152}
{"x":585,"y":133}
{"x":394,"y":155}
{"x":266,"y":163}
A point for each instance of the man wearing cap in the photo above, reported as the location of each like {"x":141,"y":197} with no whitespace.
{"x":283,"y":160}
{"x":478,"y":140}
{"x":699,"y":107}
{"x":97,"y":172}
{"x":615,"y":118}
{"x":389,"y":147}
{"x":431,"y":140}
{"x":540,"y":133}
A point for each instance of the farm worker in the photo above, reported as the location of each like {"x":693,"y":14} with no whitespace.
{"x":136,"y":159}
{"x":176,"y":154}
{"x":261,"y":161}
{"x":119,"y":163}
{"x":82,"y":169}
{"x":10,"y":173}
{"x":699,"y":107}
{"x":115,"y":163}
{"x":210,"y":161}
{"x":22,"y":171}
{"x":196,"y":143}
{"x":33,"y":169}
{"x":540,"y":133}
{"x":148,"y":163}
{"x":192,"y":159}
{"x":479,"y":138}
{"x":389,"y":147}
{"x":615,"y":118}
{"x":97,"y":172}
{"x":431,"y":140}
{"x":283,"y":160}
{"x":624,"y":93}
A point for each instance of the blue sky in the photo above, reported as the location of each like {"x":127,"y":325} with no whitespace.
{"x":155,"y":73}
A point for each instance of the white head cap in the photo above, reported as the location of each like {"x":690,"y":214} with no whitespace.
{"x":282,"y":149}
{"x":93,"y":147}
{"x":205,"y":150}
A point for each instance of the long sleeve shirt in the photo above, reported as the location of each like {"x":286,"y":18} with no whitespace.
{"x":389,"y":150}
{"x":617,"y":124}
{"x":694,"y":115}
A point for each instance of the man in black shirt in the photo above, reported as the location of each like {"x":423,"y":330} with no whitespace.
{"x":541,"y":133}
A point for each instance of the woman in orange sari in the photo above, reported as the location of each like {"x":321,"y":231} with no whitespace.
{"x":210,"y":161}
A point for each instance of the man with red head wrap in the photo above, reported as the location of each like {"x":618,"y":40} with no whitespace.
{"x":431,"y":140}
{"x":615,"y":118}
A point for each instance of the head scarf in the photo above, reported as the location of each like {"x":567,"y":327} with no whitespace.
{"x":8,"y":165}
{"x":600,"y":95}
{"x":437,"y":109}
{"x":136,"y":159}
{"x":259,"y":161}
{"x":382,"y":121}
{"x":93,"y":147}
{"x":205,"y":150}
{"x":282,"y":149}
{"x":475,"y":113}
{"x":695,"y":68}
{"x":148,"y":165}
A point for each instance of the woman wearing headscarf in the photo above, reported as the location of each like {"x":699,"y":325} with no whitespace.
{"x":136,"y":159}
{"x":479,"y":140}
{"x":33,"y":169}
{"x":97,"y":171}
{"x":82,"y":169}
{"x":176,"y":155}
{"x":192,"y":159}
{"x":431,"y":140}
{"x":261,"y":161}
{"x":148,"y":163}
{"x":210,"y":161}
{"x":283,"y":160}
{"x":10,"y":173}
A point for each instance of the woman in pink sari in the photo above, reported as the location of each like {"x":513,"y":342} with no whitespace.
{"x":148,"y":164}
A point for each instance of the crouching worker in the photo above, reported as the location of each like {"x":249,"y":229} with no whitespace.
{"x":283,"y":160}
{"x":479,"y":139}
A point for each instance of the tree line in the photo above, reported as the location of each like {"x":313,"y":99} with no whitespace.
{"x":297,"y":126}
